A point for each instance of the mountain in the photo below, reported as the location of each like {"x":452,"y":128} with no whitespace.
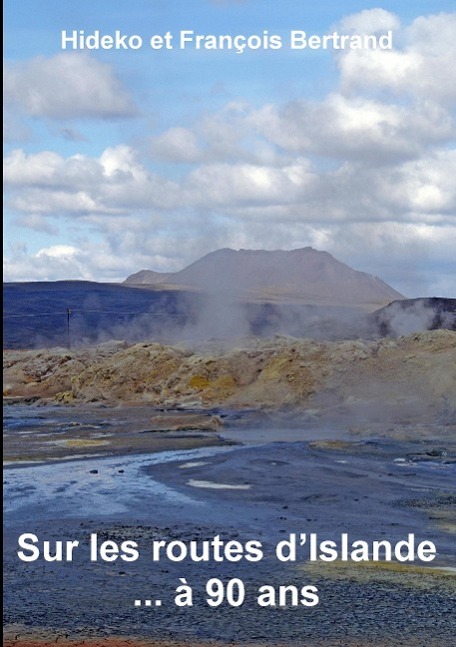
{"x":78,"y":313}
{"x":296,"y":276}
{"x":224,"y":295}
{"x":147,"y":277}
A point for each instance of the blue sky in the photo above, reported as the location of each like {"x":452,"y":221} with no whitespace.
{"x":117,"y":161}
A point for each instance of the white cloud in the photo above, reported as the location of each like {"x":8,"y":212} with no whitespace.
{"x":103,"y":190}
{"x":366,"y":173}
{"x":424,"y":186}
{"x":415,"y":258}
{"x":115,"y":182}
{"x":49,"y":169}
{"x":65,"y":260}
{"x":37,"y":222}
{"x":229,"y":135}
{"x":66,"y":86}
{"x":233,"y":184}
{"x":58,"y":251}
{"x":176,"y":145}
{"x":369,"y":21}
{"x":424,"y":68}
{"x":88,"y":262}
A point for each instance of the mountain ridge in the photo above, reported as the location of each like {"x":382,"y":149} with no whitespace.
{"x":305,"y":275}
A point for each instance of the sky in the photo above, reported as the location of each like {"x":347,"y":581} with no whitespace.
{"x":117,"y":160}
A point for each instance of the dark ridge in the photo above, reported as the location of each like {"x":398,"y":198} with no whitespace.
{"x":413,"y":315}
{"x":35,"y":314}
{"x":76,"y":313}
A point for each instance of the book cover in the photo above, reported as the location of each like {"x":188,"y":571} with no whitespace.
{"x":229,"y":323}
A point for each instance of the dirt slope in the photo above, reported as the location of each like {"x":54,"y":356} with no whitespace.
{"x":412,"y":376}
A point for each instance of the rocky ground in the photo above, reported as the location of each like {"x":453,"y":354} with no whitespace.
{"x":367,"y":446}
{"x":370,"y":488}
{"x":414,"y":376}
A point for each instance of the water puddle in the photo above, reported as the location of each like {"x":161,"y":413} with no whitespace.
{"x":94,"y":487}
{"x":217,"y":486}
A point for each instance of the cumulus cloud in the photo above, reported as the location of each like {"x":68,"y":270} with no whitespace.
{"x":66,"y":86}
{"x":424,"y":68}
{"x":358,"y":128}
{"x":176,"y":145}
{"x":49,"y":169}
{"x":234,"y":184}
{"x":425,"y":186}
{"x":366,"y":173}
{"x":229,"y":135}
{"x":87,"y":262}
{"x":66,"y":259}
{"x":369,"y":21}
{"x":116,"y":182}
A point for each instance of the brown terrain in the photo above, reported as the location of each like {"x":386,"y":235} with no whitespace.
{"x":414,"y":376}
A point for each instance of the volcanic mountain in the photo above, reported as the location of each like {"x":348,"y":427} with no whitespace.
{"x":296,"y":276}
{"x":224,"y":295}
{"x":147,"y":277}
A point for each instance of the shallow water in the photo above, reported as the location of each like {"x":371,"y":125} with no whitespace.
{"x":265,"y":435}
{"x":100,"y":487}
{"x":281,"y":481}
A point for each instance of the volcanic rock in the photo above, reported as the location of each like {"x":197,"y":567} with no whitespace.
{"x":409,"y":378}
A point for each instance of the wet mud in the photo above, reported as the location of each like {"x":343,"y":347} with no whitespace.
{"x":53,"y":433}
{"x":372,"y":484}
